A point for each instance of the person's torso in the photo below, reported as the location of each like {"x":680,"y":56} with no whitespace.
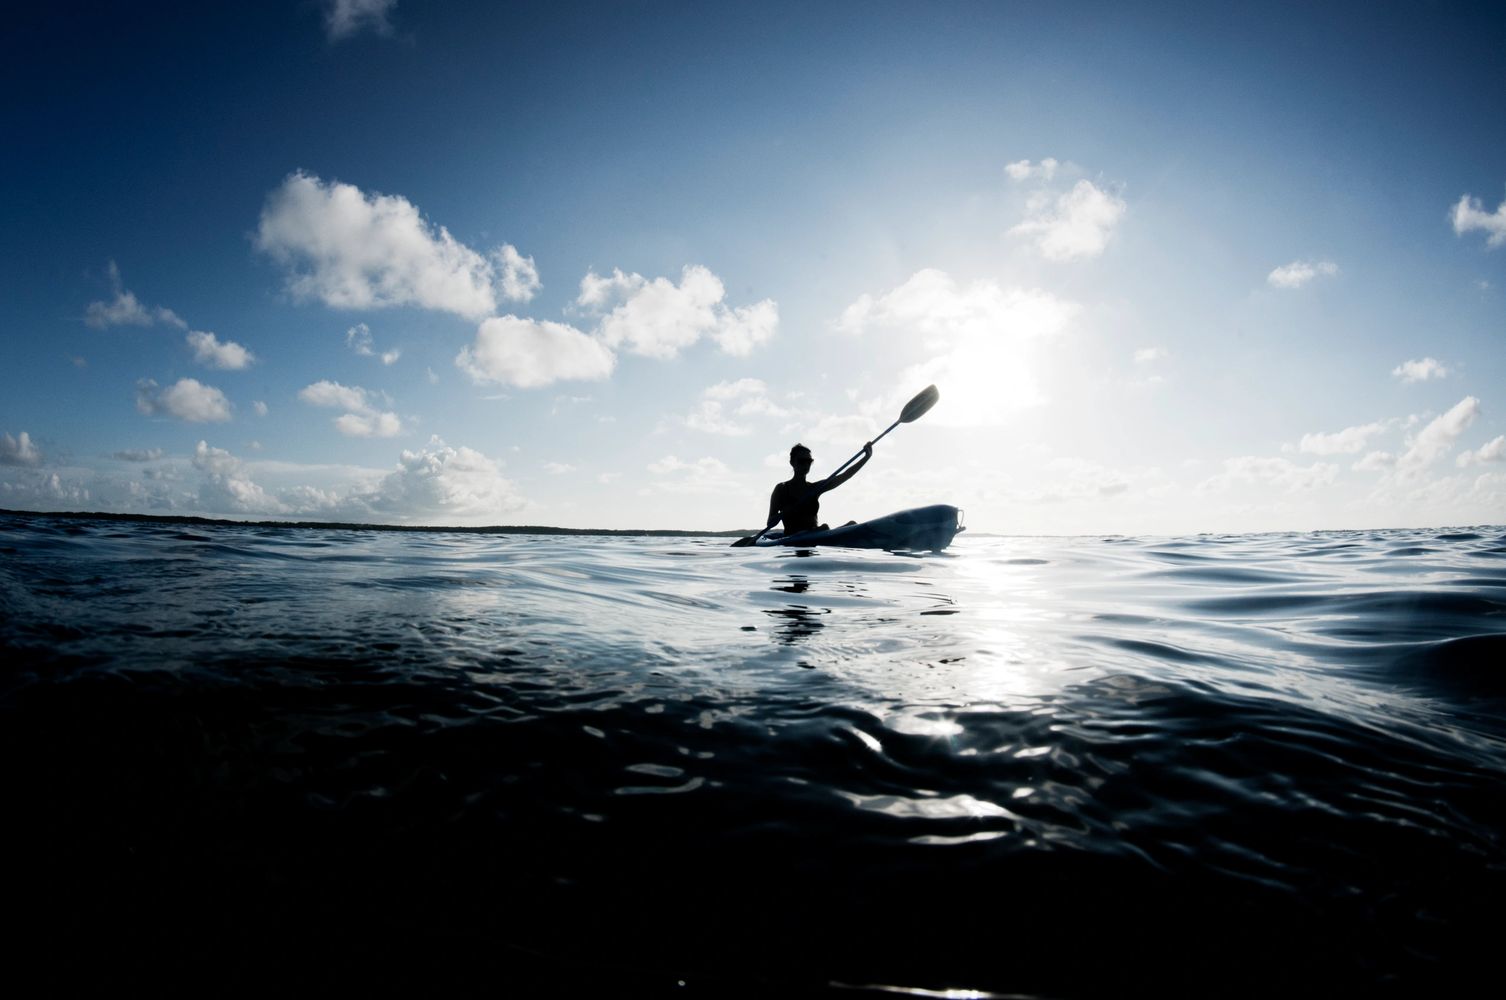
{"x":799,"y":505}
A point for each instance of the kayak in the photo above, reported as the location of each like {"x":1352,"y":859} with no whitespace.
{"x":919,"y":529}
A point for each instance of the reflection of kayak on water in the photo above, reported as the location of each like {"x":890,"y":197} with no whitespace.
{"x":920,"y":529}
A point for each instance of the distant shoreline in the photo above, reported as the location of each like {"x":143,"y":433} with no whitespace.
{"x":491,"y":529}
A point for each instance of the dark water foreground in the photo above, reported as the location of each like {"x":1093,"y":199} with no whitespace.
{"x":332,"y":760}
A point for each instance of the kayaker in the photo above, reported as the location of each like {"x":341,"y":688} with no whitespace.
{"x":797,"y":501}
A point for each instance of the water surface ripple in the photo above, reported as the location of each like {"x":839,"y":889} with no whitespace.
{"x":1039,"y":766}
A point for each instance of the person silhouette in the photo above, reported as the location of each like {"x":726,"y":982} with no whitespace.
{"x":797,"y":501}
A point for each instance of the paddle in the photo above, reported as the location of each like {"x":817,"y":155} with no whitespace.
{"x":913,"y":411}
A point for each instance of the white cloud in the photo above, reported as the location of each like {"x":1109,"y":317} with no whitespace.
{"x":126,"y":310}
{"x":139,"y":455}
{"x":19,"y":450}
{"x":704,"y":475}
{"x":41,"y":491}
{"x":979,"y":339}
{"x":1469,"y":214}
{"x":659,"y":319}
{"x":1375,"y":461}
{"x":225,"y":486}
{"x":558,"y":468}
{"x":1348,"y":441}
{"x":722,"y":403}
{"x":1280,"y":472}
{"x":439,"y":482}
{"x":1492,"y":451}
{"x":186,"y":399}
{"x":1300,"y":272}
{"x":1146,"y":355}
{"x":209,"y":350}
{"x":1077,"y":224}
{"x":374,"y":424}
{"x":344,"y":18}
{"x":362,"y":417}
{"x":1419,"y":371}
{"x":351,"y":250}
{"x":260,"y":408}
{"x":519,"y":276}
{"x":1021,"y":170}
{"x":358,"y":339}
{"x":529,"y":353}
{"x":839,"y":430}
{"x":333,"y":394}
{"x":1430,"y":443}
{"x":733,"y":390}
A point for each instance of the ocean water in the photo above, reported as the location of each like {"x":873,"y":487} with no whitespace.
{"x":531,"y":764}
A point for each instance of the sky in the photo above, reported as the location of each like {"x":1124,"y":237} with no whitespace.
{"x":1174,"y":268}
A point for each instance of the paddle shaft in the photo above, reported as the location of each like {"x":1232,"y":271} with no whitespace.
{"x":860,"y":452}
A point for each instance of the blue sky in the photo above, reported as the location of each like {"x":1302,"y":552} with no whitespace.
{"x":1173,"y":269}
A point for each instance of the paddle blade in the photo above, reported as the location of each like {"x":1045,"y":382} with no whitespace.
{"x":917,"y":407}
{"x":742,"y":543}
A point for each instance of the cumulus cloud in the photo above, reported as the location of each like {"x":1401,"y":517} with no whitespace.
{"x":41,"y":491}
{"x":1146,"y":355}
{"x":528,"y":353}
{"x":362,"y":417}
{"x":138,"y":455}
{"x":439,"y":482}
{"x":1434,"y":440}
{"x":372,"y":424}
{"x":518,"y":276}
{"x":659,"y":318}
{"x":1022,"y":170}
{"x":1419,"y":371}
{"x":227,"y":488}
{"x":344,"y":18}
{"x":1469,"y":214}
{"x":351,"y":250}
{"x":227,"y":355}
{"x":186,"y":399}
{"x":979,"y":338}
{"x":124,"y":309}
{"x":1077,"y":224}
{"x":260,"y":407}
{"x":1300,"y":272}
{"x":19,"y":450}
{"x":558,"y":468}
{"x":1492,"y":451}
{"x":1279,"y":472}
{"x":1348,"y":441}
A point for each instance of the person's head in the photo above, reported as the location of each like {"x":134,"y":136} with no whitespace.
{"x":800,"y":458}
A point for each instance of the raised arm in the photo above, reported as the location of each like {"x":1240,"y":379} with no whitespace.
{"x":832,"y":482}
